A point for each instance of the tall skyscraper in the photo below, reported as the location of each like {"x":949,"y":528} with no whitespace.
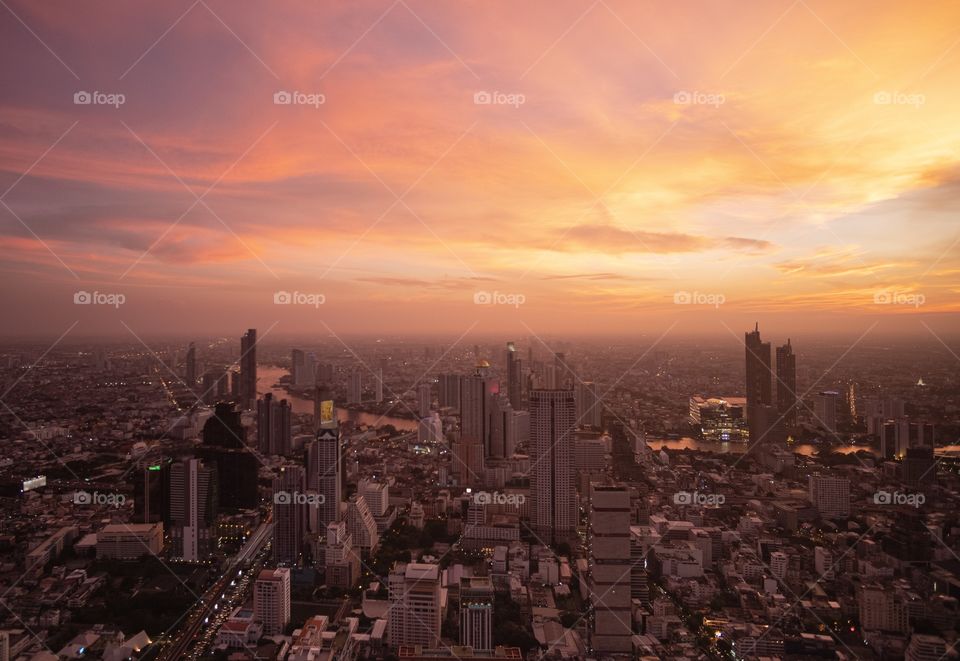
{"x":354,"y":387}
{"x":415,"y":594}
{"x":476,"y":612}
{"x":191,"y":379}
{"x":271,"y":600}
{"x":468,"y":461}
{"x":610,"y":569}
{"x":193,"y":509}
{"x":424,"y":399}
{"x":289,"y":515}
{"x":151,"y":489}
{"x":273,"y":425}
{"x":297,"y":365}
{"x":475,"y":405}
{"x":500,"y":427}
{"x":758,"y":375}
{"x":248,"y":369}
{"x":825,"y":410}
{"x":225,"y":445}
{"x":514,"y":377}
{"x":325,"y":462}
{"x":553,"y":415}
{"x":787,"y":385}
{"x":449,"y":391}
{"x":362,"y":526}
{"x":589,"y":407}
{"x":378,"y":385}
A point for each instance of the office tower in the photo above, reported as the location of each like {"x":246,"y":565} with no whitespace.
{"x":518,"y":432}
{"x":297,"y":365}
{"x":248,"y":369}
{"x":882,"y":609}
{"x":341,"y":562}
{"x":468,"y":461}
{"x":377,"y":495}
{"x":609,"y":579}
{"x":825,"y":410}
{"x":191,"y":379}
{"x":289,"y":515}
{"x":475,"y":404}
{"x":151,"y":488}
{"x":476,"y":613}
{"x":325,"y":468}
{"x":888,"y":439}
{"x":912,"y":434}
{"x":378,"y":385}
{"x":362,"y":526}
{"x":514,"y":378}
{"x":214,"y":386}
{"x":225,"y":446}
{"x":918,"y":468}
{"x":449,"y":391}
{"x":414,"y":614}
{"x":758,"y":375}
{"x":589,"y":406}
{"x":787,"y":385}
{"x":424,"y":399}
{"x":830,"y":495}
{"x":271,"y":600}
{"x":639,"y":581}
{"x":501,"y":417}
{"x":553,"y":414}
{"x":193,"y":509}
{"x":354,"y":387}
{"x":273,"y":426}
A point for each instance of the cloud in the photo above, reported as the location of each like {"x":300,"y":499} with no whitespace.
{"x":614,"y":240}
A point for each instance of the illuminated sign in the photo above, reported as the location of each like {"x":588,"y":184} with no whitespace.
{"x":35,"y":482}
{"x":153,"y":468}
{"x":326,"y":411}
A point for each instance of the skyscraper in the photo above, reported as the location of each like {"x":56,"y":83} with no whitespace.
{"x":500,"y":427}
{"x":424,"y":399}
{"x":378,"y":385}
{"x":193,"y":509}
{"x":248,"y":369}
{"x":325,"y":463}
{"x":271,"y":600}
{"x":825,"y":410}
{"x":297,"y":365}
{"x":589,"y":407}
{"x":151,"y":489}
{"x":273,"y":425}
{"x":191,"y":367}
{"x":787,"y":385}
{"x":449,"y":391}
{"x":289,"y":515}
{"x":476,"y":612}
{"x":224,"y":444}
{"x":414,"y":615}
{"x":553,"y":415}
{"x":610,"y":565}
{"x":514,"y":377}
{"x":759,"y":386}
{"x":475,"y":405}
{"x":354,"y":387}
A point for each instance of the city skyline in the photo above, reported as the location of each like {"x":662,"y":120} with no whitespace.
{"x":781,"y":159}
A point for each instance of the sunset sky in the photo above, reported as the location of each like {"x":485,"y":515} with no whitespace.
{"x":798,"y":159}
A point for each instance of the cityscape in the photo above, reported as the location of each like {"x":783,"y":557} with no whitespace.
{"x":415,"y":331}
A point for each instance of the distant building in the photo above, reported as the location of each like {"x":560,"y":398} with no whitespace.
{"x":362,"y":526}
{"x":825,"y":410}
{"x":719,"y":418}
{"x":121,"y":541}
{"x":787,"y":385}
{"x":415,"y":605}
{"x":553,"y":415}
{"x":476,"y":612}
{"x":354,"y":387}
{"x":758,"y":374}
{"x":194,"y":502}
{"x":248,"y":369}
{"x":224,"y":444}
{"x":290,"y":501}
{"x":271,"y":600}
{"x":830,"y":495}
{"x":151,"y":488}
{"x":610,"y":569}
{"x":273,"y":426}
{"x":341,"y":562}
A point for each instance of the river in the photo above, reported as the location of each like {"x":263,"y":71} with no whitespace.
{"x":268,"y":380}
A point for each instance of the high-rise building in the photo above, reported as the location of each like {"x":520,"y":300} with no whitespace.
{"x":468,"y":461}
{"x":424,"y":399}
{"x":609,"y":579}
{"x":191,"y":368}
{"x":297,"y":365}
{"x":553,"y":414}
{"x":912,"y":434}
{"x":362,"y":526}
{"x":273,"y":426}
{"x":224,"y":445}
{"x":758,"y":375}
{"x":830,"y":495}
{"x":325,"y":465}
{"x":924,"y":647}
{"x":475,"y":405}
{"x":787,"y":385}
{"x":354,"y":387}
{"x":248,"y":369}
{"x":501,"y":419}
{"x":825,"y":410}
{"x":193,"y":509}
{"x":918,"y":468}
{"x":151,"y":489}
{"x":476,"y":612}
{"x":779,"y":564}
{"x":341,"y":562}
{"x":514,"y":377}
{"x":414,"y":615}
{"x":271,"y":600}
{"x":289,"y":515}
{"x":378,"y":385}
{"x":449,"y":391}
{"x":589,"y":406}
